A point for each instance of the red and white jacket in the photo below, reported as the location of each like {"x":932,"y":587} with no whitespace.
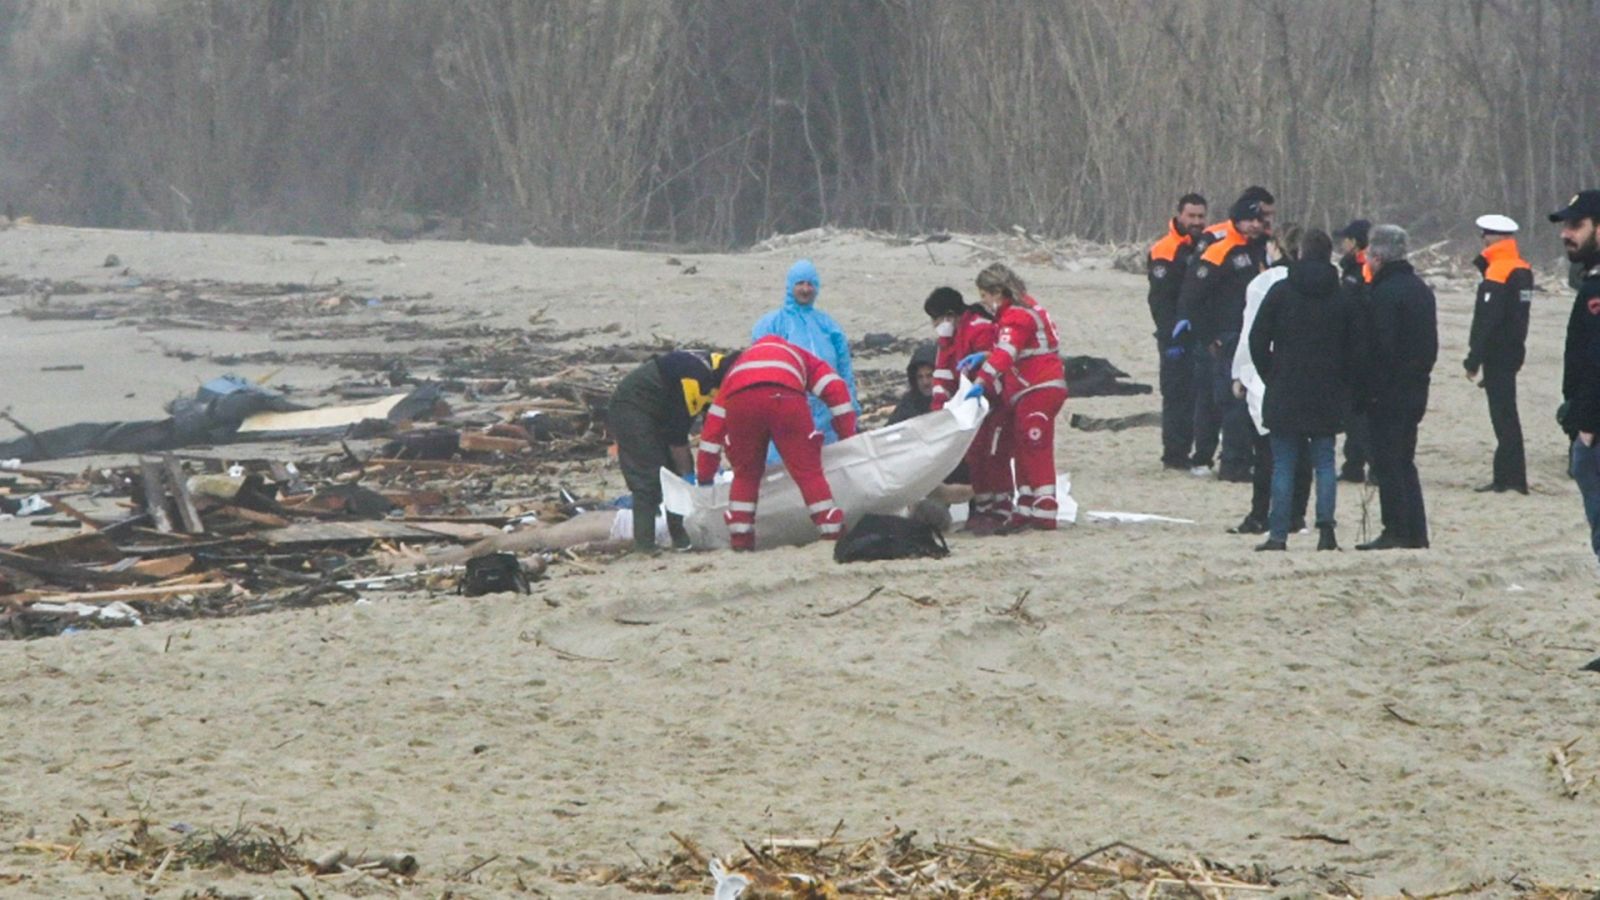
{"x":974,"y":333}
{"x":773,"y":361}
{"x":1027,"y":353}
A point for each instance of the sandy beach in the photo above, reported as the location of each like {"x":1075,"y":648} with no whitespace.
{"x":1380,"y":722}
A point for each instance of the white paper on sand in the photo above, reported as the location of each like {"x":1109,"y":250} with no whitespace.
{"x":879,"y":471}
{"x":1128,"y":518}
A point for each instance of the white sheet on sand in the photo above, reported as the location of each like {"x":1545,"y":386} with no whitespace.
{"x":879,"y":471}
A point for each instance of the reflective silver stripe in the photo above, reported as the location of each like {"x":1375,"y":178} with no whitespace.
{"x":740,"y":528}
{"x":1043,"y":513}
{"x":820,"y":506}
{"x":773,"y":364}
{"x":1036,"y":351}
{"x":740,"y":506}
{"x":841,"y":409}
{"x":1045,"y":490}
{"x":830,"y":528}
{"x":991,"y":370}
{"x":823,"y":382}
{"x":939,"y":389}
{"x":943,"y":373}
{"x":1058,"y":382}
{"x":717,"y":411}
{"x":1006,"y":346}
{"x":1041,"y":329}
{"x":710,"y":448}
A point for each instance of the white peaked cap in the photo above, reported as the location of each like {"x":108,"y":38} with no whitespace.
{"x":1496,"y":223}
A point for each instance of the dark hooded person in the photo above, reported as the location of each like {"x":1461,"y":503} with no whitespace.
{"x":918,"y":398}
{"x":1498,"y":344}
{"x":649,"y":416}
{"x":1302,"y":342}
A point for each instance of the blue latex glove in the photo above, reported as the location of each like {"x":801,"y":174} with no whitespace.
{"x":1174,"y":352}
{"x":690,"y":478}
{"x":1180,"y":328}
{"x":974,"y":391}
{"x":971,"y":361}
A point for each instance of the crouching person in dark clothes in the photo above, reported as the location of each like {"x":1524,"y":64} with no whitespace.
{"x":1302,"y":345}
{"x":649,"y":417}
{"x":1404,"y":333}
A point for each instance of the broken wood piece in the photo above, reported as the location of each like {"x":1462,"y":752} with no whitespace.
{"x":164,"y":566}
{"x":138,"y":593}
{"x":1563,"y":764}
{"x":178,"y":484}
{"x":66,"y":573}
{"x":66,"y":509}
{"x":252,"y":516}
{"x":155,"y":495}
{"x":479,"y":442}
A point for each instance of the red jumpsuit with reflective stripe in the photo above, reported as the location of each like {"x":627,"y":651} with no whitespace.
{"x":762,"y":400}
{"x":989,"y":457}
{"x":1025,"y":365}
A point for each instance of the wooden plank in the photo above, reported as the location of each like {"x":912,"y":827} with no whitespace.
{"x":66,"y":573}
{"x":164,"y":566}
{"x":138,"y":593}
{"x":250,"y":515}
{"x":178,"y":483}
{"x":83,"y":547}
{"x":478,"y":442}
{"x":155,"y":496}
{"x":66,"y":509}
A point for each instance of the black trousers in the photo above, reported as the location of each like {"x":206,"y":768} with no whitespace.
{"x":635,"y":419}
{"x":1177,"y":408}
{"x":1206,"y":410}
{"x":1261,"y":483}
{"x":1510,"y":461}
{"x":1394,"y":422}
{"x":1357,"y":446}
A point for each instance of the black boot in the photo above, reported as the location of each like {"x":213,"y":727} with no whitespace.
{"x":1327,"y":541}
{"x":1272,"y":544}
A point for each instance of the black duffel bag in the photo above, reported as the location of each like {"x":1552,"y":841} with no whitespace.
{"x":889,"y":537}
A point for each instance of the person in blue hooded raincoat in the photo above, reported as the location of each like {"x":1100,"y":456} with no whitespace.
{"x":802,"y":324}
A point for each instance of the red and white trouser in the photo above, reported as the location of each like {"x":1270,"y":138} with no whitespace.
{"x":1032,"y":432}
{"x":989,"y":466}
{"x":763,"y":413}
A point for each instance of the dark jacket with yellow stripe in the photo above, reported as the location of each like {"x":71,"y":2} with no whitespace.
{"x":1500,"y":309}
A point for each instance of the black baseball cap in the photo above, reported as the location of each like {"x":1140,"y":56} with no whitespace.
{"x":1357,"y":231}
{"x":1583,"y":205}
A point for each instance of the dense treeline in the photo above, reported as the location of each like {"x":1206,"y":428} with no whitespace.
{"x":716,"y":122}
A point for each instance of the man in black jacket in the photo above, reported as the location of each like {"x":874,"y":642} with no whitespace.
{"x":1165,"y":264}
{"x":1497,"y":345}
{"x":1301,"y":343}
{"x":1404,"y":333}
{"x":1353,"y":274}
{"x":1580,"y":378}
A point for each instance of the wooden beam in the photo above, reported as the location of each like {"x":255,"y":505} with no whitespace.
{"x":138,"y":593}
{"x":179,"y":485}
{"x":155,"y":496}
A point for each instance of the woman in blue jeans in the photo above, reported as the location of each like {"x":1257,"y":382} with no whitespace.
{"x":1302,"y":343}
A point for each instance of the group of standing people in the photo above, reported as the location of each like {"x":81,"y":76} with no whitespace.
{"x":1313,"y":350}
{"x":792,"y":391}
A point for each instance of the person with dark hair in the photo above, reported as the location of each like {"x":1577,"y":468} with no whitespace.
{"x":963,"y":330}
{"x":1025,"y":375}
{"x":1404,"y":333}
{"x":1580,"y":376}
{"x":1165,"y":264}
{"x":1353,"y":251}
{"x":649,"y":417}
{"x":1211,"y":316}
{"x":918,"y":398}
{"x":1498,"y":345}
{"x":1302,"y":344}
{"x":1247,"y":378}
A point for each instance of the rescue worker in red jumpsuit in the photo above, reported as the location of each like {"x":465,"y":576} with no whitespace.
{"x":763,"y":399}
{"x":1024,"y":370}
{"x":963,"y":330}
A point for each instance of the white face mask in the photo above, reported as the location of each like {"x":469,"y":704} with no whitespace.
{"x":945,"y":329}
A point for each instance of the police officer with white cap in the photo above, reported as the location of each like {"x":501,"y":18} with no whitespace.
{"x":1497,"y":345}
